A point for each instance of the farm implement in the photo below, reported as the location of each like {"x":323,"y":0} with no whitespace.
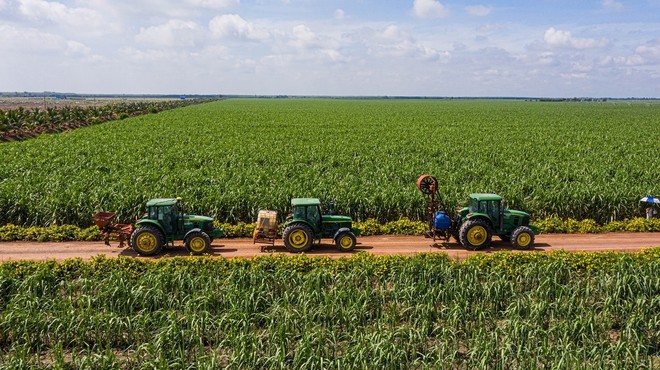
{"x":474,"y":225}
{"x":162,"y":225}
{"x":110,"y":230}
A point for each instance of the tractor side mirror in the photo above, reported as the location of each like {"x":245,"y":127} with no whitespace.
{"x":331,"y":209}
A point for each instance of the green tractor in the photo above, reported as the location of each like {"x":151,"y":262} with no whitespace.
{"x":474,"y":225}
{"x":165,"y":222}
{"x":306,"y":224}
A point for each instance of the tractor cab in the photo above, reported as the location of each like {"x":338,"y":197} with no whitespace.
{"x":167,"y":212}
{"x":488,"y":205}
{"x":307,"y":210}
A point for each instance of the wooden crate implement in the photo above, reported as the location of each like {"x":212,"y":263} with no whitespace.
{"x":265,"y":230}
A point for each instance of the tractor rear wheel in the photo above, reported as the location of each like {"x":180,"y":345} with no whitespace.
{"x":298,"y":238}
{"x":475,"y":234}
{"x":522,"y":237}
{"x":345,"y":241}
{"x":198,"y":242}
{"x":147,"y":240}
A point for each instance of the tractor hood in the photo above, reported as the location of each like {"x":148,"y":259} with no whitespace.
{"x":195,"y":218}
{"x":516,"y":213}
{"x":334,"y":218}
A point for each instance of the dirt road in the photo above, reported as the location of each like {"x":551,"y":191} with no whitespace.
{"x":379,"y":245}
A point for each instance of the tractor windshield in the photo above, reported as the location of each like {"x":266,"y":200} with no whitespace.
{"x":474,"y":205}
{"x":494,"y":209}
{"x":153,"y":213}
{"x":299,"y":212}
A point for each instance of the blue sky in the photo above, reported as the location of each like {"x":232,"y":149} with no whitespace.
{"x":546,"y":48}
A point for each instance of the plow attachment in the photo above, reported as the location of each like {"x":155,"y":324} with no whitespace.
{"x":110,"y":230}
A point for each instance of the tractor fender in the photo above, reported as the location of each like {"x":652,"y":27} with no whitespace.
{"x":343,"y":229}
{"x":152,"y":223}
{"x":298,"y":221}
{"x":535,"y":229}
{"x":191,"y":231}
{"x":480,"y":216}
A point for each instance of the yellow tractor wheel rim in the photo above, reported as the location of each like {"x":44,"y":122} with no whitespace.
{"x":477,"y":235}
{"x":146,"y":242}
{"x":197,"y":244}
{"x":298,"y":238}
{"x":346,"y":241}
{"x":523,"y":239}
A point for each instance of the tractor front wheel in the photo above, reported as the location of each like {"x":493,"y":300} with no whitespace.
{"x":522,"y":237}
{"x":345,"y":241}
{"x":298,"y":238}
{"x":198,"y":242}
{"x":475,"y":234}
{"x":147,"y":240}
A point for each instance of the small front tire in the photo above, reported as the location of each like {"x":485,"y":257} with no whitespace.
{"x":198,"y":242}
{"x":345,"y":241}
{"x":522,"y":237}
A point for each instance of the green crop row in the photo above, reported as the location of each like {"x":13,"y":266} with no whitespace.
{"x":369,"y":227}
{"x":231,"y":158}
{"x":506,"y":310}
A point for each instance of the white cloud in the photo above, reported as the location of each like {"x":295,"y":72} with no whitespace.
{"x":29,"y":40}
{"x":394,"y":42}
{"x":75,"y":47}
{"x":214,"y":4}
{"x":60,"y":14}
{"x":173,"y":33}
{"x":429,"y":9}
{"x":3,"y":4}
{"x":649,"y":53}
{"x":303,"y":36}
{"x":612,"y":5}
{"x":479,"y":10}
{"x":340,"y":14}
{"x":234,"y":26}
{"x":558,"y":38}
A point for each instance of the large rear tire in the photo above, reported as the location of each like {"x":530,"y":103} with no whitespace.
{"x":522,"y":237}
{"x":298,"y":238}
{"x":475,"y":234}
{"x":198,"y":242}
{"x":147,"y":240}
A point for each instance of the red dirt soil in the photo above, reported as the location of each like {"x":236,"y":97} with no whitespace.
{"x":378,"y":245}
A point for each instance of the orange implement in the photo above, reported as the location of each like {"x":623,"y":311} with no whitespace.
{"x":110,"y":230}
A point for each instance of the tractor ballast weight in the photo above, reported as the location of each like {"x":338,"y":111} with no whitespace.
{"x":474,"y":225}
{"x":306,"y":224}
